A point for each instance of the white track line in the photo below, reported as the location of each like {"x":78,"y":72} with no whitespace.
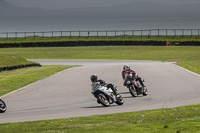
{"x":187,"y":70}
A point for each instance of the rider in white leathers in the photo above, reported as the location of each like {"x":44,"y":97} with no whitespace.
{"x":96,"y":81}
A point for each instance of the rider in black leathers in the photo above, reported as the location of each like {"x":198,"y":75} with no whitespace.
{"x":127,"y":70}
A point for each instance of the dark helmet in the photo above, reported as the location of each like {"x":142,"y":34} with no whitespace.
{"x":94,"y":78}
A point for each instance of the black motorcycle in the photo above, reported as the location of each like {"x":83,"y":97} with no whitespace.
{"x":135,"y":87}
{"x":2,"y":106}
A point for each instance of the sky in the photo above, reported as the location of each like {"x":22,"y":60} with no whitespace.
{"x":59,"y":4}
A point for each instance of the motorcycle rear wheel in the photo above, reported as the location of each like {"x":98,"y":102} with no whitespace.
{"x":3,"y":107}
{"x":103,"y":99}
{"x":133,"y":91}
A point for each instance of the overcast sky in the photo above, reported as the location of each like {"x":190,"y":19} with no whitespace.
{"x":58,"y":4}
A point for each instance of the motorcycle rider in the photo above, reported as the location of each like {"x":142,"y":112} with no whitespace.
{"x":126,"y":71}
{"x":123,"y":71}
{"x":96,"y":81}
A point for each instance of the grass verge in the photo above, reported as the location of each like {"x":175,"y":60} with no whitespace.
{"x":12,"y":80}
{"x":7,"y":60}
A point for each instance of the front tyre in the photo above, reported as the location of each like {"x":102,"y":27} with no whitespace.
{"x":120,"y":100}
{"x":103,"y":99}
{"x":133,"y":91}
{"x":145,"y":92}
{"x":2,"y":106}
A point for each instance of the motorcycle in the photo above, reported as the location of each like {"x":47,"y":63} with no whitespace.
{"x":135,"y":87}
{"x":105,"y":95}
{"x":2,"y":106}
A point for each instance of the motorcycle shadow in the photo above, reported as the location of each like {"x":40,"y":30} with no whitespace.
{"x":100,"y":106}
{"x":124,"y":93}
{"x":129,"y":95}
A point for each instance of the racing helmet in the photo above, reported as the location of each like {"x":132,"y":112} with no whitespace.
{"x":124,"y":67}
{"x":127,"y":69}
{"x":94,"y":78}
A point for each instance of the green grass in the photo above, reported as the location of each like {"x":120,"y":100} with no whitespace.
{"x":108,"y":38}
{"x":186,"y":56}
{"x":184,"y":119}
{"x":12,"y":80}
{"x":12,"y":60}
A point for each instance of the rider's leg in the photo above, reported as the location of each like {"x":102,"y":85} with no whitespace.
{"x":141,"y":82}
{"x":112,"y":87}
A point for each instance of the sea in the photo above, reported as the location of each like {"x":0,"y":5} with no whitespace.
{"x":95,"y":23}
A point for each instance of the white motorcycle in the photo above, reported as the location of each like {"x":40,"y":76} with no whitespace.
{"x":2,"y":106}
{"x":105,"y":95}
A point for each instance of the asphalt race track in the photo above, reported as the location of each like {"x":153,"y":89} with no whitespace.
{"x":68,"y":93}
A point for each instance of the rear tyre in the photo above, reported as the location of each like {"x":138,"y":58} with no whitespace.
{"x":120,"y":100}
{"x":103,"y":99}
{"x":2,"y":106}
{"x":133,"y":91}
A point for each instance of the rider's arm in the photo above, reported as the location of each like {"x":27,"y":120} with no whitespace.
{"x":134,"y":74}
{"x":102,"y":82}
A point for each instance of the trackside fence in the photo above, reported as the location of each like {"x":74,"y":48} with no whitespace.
{"x":149,"y":32}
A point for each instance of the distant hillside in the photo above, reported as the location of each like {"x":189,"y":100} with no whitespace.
{"x":7,"y":9}
{"x":135,"y":9}
{"x":158,"y":10}
{"x":138,"y":10}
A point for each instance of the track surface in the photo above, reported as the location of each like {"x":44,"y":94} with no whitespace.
{"x":67,"y":93}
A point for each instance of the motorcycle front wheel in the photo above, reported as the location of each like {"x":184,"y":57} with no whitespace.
{"x":145,"y":92}
{"x":2,"y":106}
{"x":103,"y":99}
{"x":120,"y":100}
{"x":133,"y":91}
